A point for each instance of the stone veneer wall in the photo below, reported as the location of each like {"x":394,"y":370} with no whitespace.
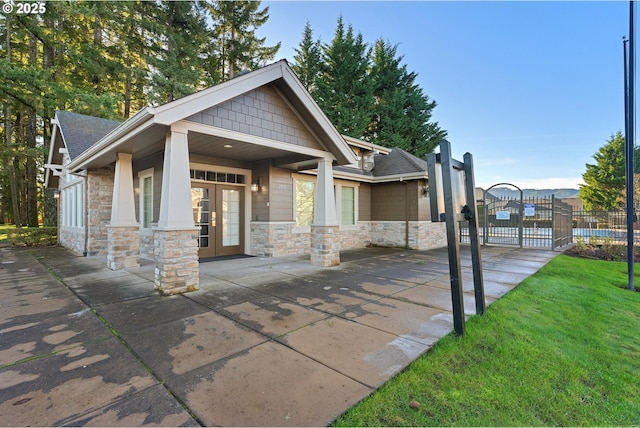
{"x":357,"y":236}
{"x":100,"y":197}
{"x":281,"y":239}
{"x":124,"y":247}
{"x":325,"y":251}
{"x":423,"y":235}
{"x":146,"y":246}
{"x":72,"y":238}
{"x":176,"y":254}
{"x":278,"y":239}
{"x":428,"y":234}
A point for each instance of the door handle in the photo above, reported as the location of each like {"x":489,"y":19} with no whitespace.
{"x":213,"y":218}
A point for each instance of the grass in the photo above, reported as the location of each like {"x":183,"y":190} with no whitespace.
{"x":4,"y":229}
{"x":561,"y":349}
{"x":28,"y":236}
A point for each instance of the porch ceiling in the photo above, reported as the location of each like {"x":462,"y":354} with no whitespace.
{"x":152,"y":141}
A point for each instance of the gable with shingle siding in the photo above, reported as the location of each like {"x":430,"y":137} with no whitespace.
{"x":260,"y":112}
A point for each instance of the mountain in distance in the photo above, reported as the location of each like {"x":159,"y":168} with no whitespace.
{"x":508,"y":192}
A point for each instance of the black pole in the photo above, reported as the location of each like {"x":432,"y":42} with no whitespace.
{"x":626,"y":93}
{"x":629,"y":146}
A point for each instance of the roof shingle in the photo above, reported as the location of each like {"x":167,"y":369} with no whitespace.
{"x":81,"y":131}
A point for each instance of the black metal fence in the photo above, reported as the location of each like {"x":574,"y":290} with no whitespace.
{"x":527,"y":222}
{"x":596,"y":227}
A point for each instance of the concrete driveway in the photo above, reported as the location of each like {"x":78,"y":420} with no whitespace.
{"x":264,"y":342}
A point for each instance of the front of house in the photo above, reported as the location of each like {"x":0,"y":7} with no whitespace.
{"x":250,"y":166}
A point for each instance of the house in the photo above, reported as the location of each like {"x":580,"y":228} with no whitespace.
{"x":250,"y":166}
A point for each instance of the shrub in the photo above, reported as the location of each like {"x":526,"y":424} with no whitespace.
{"x":581,"y":246}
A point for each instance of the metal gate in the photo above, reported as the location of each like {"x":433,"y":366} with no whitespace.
{"x":523,"y":222}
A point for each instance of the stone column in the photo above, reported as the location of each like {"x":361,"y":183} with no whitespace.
{"x":325,"y":245}
{"x":176,"y":254}
{"x":175,"y":238}
{"x":123,"y":242}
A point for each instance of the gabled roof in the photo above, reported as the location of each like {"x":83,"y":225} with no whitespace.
{"x":398,"y":162}
{"x":392,"y":165}
{"x":149,"y":125}
{"x":80,"y":131}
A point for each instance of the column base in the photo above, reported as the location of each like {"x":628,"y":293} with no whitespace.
{"x":123,"y":247}
{"x":176,"y":254}
{"x":325,"y":246}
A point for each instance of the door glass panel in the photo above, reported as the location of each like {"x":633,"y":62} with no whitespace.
{"x":230,"y":217}
{"x":200,"y":205}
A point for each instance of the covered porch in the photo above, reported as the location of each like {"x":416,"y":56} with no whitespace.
{"x":169,"y":202}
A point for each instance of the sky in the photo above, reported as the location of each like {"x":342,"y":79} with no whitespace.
{"x":531,"y":89}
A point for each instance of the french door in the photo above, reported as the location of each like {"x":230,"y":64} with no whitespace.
{"x":218,"y":210}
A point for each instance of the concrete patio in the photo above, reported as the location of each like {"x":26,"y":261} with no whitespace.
{"x":264,"y":342}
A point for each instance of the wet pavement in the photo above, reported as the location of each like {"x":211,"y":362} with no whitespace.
{"x":264,"y":342}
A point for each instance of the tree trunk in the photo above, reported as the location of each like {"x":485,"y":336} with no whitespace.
{"x":30,"y":167}
{"x":8,"y":132}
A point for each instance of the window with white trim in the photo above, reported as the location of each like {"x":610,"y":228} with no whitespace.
{"x":146,"y":198}
{"x":73,"y":205}
{"x":304,"y":195}
{"x":348,"y":206}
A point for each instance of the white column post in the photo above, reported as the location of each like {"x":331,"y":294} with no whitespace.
{"x":325,"y":241}
{"x":123,"y":242}
{"x":175,"y":199}
{"x":324,"y":210}
{"x":123,"y":211}
{"x":175,"y":245}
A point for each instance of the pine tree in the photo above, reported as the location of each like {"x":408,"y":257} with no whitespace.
{"x":604,"y":187}
{"x":402,"y":113}
{"x":345,"y":93}
{"x":234,"y":34}
{"x":180,"y":33}
{"x":308,"y":60}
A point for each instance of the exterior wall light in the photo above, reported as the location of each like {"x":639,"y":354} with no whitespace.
{"x":256,"y":186}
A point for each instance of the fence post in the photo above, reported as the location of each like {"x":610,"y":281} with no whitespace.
{"x":553,"y":221}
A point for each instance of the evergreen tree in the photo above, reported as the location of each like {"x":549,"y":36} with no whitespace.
{"x":234,"y":38}
{"x":402,"y":113}
{"x":604,"y":187}
{"x":345,"y":93}
{"x":308,"y":60}
{"x":180,"y":38}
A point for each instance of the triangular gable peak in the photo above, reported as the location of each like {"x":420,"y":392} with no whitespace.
{"x":71,"y":135}
{"x":312,"y":134}
{"x":261,"y":112}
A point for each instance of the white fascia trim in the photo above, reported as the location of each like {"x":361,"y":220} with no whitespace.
{"x":259,"y":141}
{"x":185,"y":107}
{"x":364,"y":179}
{"x":119,"y":135}
{"x":52,"y":142}
{"x":366,"y":145}
{"x":402,"y":177}
{"x":339,"y":142}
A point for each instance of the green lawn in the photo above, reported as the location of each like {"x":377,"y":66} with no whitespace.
{"x":43,"y":235}
{"x":561,"y":349}
{"x":3,"y":231}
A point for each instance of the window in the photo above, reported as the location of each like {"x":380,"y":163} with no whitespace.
{"x":73,"y":205}
{"x":304,"y":202}
{"x":348,"y":210}
{"x":146,"y":198}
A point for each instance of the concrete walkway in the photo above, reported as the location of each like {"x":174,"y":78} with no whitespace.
{"x":265,"y":342}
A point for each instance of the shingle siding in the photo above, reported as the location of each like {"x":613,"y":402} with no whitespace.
{"x":260,"y":112}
